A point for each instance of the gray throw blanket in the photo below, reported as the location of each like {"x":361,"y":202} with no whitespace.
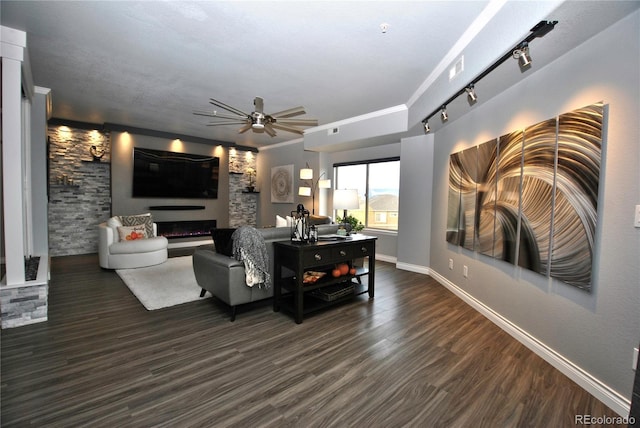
{"x":249,"y":247}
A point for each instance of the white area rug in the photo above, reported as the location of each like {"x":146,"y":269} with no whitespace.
{"x":167,"y":284}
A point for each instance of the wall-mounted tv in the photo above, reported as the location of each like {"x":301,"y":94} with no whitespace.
{"x":162,"y":174}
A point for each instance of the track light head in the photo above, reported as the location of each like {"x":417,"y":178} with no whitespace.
{"x":471,"y":94}
{"x":523,"y":56}
{"x":443,"y":114}
{"x":427,"y":128}
{"x":525,"y":60}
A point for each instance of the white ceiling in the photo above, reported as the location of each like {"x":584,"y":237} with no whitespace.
{"x":150,"y":64}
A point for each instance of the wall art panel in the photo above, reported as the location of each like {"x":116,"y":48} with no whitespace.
{"x":538,"y":170}
{"x":508,"y":196}
{"x":530,"y":197}
{"x":577,"y":182}
{"x":468,"y":195}
{"x":487,"y":187}
{"x":455,"y":220}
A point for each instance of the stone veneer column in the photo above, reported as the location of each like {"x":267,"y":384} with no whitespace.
{"x":243,"y":206}
{"x":23,"y":305}
{"x":79,"y":189}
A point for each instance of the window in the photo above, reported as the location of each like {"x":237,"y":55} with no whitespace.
{"x":378,"y":184}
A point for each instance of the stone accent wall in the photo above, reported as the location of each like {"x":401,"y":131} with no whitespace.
{"x":23,"y":305}
{"x":243,"y":206}
{"x":79,"y":189}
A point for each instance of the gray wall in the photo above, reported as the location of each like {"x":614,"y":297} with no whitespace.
{"x":39,"y":177}
{"x":122,"y":144}
{"x":416,"y":184}
{"x":597,"y":331}
{"x":280,"y":155}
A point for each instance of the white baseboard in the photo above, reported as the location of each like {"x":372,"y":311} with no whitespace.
{"x":413,"y":268}
{"x":589,"y":383}
{"x":384,"y":258}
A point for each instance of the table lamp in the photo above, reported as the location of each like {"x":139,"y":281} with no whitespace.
{"x":345,"y":199}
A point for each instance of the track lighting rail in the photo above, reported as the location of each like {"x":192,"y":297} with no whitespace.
{"x":539,"y":30}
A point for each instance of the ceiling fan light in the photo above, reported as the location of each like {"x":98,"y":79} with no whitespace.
{"x":258,"y":122}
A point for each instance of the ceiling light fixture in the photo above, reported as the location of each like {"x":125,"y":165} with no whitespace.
{"x":427,"y":128}
{"x":443,"y":114}
{"x":524,"y":60}
{"x":471,"y":93}
{"x":258,"y":121}
{"x":522,"y":55}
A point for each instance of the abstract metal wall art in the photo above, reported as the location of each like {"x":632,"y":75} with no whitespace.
{"x":530,"y":197}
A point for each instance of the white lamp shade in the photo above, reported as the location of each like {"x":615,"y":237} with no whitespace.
{"x":345,"y":199}
{"x":304,"y":191}
{"x":306,"y":174}
{"x":324,"y":184}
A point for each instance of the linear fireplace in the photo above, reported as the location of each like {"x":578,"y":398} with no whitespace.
{"x":185,"y":229}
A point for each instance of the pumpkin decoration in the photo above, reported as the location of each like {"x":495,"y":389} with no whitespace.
{"x":335,"y":273}
{"x":344,"y":268}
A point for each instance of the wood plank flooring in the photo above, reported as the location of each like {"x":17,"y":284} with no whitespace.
{"x":415,"y":356}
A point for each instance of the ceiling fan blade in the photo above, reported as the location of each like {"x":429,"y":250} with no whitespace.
{"x":259,"y":104}
{"x":203,"y":113}
{"x":295,"y":111}
{"x":269,"y":130}
{"x":298,"y":122}
{"x":215,"y":114}
{"x":287,"y":128}
{"x":227,"y":107}
{"x":245,"y":128}
{"x":238,"y":122}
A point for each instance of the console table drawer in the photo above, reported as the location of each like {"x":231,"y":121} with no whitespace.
{"x":363,"y":250}
{"x":342,"y":254}
{"x":317,"y":257}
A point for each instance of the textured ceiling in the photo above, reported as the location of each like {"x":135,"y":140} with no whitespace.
{"x":150,"y":64}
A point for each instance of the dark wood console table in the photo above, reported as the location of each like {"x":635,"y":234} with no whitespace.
{"x":296,"y":296}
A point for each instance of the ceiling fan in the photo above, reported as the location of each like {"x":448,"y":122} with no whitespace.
{"x":257,"y":120}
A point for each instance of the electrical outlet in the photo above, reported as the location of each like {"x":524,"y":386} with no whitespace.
{"x":634,"y":365}
{"x":465,"y":271}
{"x":451,"y":264}
{"x":636,"y":221}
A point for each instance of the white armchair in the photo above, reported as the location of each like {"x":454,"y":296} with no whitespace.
{"x":116,"y":254}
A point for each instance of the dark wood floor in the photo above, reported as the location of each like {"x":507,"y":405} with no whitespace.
{"x":415,"y":355}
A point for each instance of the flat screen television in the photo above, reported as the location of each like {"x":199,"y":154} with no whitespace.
{"x":162,"y":174}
